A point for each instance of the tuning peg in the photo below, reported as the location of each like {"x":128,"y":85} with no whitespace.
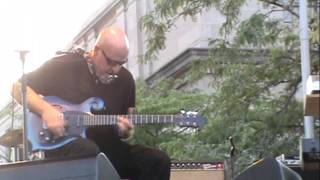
{"x":192,"y":113}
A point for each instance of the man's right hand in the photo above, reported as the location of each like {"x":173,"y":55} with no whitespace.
{"x":50,"y":115}
{"x":55,"y":121}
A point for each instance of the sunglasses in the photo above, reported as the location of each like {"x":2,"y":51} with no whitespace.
{"x":110,"y":61}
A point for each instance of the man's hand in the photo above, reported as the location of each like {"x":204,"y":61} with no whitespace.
{"x":49,"y":114}
{"x":125,"y":127}
{"x":54,"y":120}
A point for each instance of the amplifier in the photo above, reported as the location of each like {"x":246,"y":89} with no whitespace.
{"x":187,"y":170}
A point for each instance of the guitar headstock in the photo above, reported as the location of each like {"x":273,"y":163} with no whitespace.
{"x":191,"y":119}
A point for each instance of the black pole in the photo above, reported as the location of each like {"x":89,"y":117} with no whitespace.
{"x":24,"y":105}
{"x":232,"y":156}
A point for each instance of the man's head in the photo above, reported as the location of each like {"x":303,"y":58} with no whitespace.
{"x":110,"y":52}
{"x":114,"y":43}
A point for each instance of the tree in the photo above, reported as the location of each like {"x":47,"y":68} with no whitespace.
{"x":162,"y":99}
{"x":256,"y":75}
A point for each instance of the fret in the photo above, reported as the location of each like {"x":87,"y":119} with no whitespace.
{"x":135,"y":119}
{"x":158,"y":118}
{"x":146,"y":119}
{"x":78,"y":123}
{"x":171,"y":118}
{"x":139,"y":119}
{"x":83,"y":121}
{"x":152,"y":119}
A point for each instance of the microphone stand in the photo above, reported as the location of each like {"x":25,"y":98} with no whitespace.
{"x":24,"y":105}
{"x":232,"y":156}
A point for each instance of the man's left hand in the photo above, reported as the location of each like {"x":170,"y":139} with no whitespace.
{"x":125,"y":127}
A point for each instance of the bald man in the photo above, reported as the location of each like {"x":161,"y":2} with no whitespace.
{"x":75,"y":77}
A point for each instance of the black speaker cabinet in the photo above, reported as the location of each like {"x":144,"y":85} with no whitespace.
{"x":267,"y":169}
{"x":85,"y":168}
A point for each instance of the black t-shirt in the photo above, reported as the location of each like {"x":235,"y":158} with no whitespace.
{"x":68,"y":77}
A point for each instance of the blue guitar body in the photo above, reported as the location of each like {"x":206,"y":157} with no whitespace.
{"x":37,"y":132}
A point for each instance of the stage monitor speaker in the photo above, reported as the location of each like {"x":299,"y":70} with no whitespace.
{"x":306,"y":174}
{"x":86,"y":168}
{"x":294,"y":163}
{"x":266,"y":169}
{"x":197,"y":170}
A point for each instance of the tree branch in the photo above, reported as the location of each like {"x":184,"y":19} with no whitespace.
{"x":285,"y":7}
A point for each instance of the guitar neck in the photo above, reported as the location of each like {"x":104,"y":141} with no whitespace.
{"x":93,"y":120}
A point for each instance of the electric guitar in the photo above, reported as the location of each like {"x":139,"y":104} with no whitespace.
{"x":78,"y":118}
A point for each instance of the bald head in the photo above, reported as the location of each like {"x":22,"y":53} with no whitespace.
{"x":114,"y":42}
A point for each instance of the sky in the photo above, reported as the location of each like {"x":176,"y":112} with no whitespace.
{"x":40,"y":26}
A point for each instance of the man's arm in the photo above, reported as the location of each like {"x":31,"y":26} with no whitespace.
{"x":51,"y":116}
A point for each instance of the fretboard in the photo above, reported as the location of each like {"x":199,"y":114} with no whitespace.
{"x":93,"y":120}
